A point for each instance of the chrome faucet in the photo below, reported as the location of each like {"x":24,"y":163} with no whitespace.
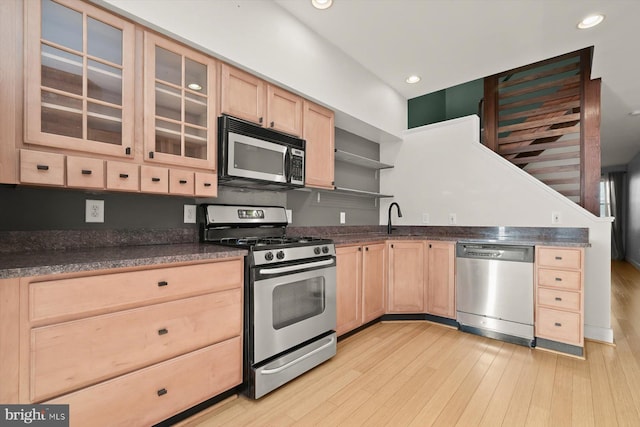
{"x":389,"y":228}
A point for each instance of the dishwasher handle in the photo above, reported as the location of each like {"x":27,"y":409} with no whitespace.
{"x":498,"y":252}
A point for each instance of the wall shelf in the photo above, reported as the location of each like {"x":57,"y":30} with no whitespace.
{"x":359,"y":160}
{"x":361,"y":193}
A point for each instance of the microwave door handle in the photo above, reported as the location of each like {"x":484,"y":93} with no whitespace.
{"x":287,"y":165}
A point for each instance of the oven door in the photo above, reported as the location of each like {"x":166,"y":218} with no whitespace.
{"x":254,"y":158}
{"x":292,"y":304}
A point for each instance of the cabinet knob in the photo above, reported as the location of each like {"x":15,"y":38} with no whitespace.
{"x":42,"y":167}
{"x":260,"y":120}
{"x":429,"y":245}
{"x":558,"y":324}
{"x":163,"y":283}
{"x":272,"y":124}
{"x":359,"y":249}
{"x":559,"y":258}
{"x":558,"y":299}
{"x":558,"y":279}
{"x":162,"y":392}
{"x":151,"y":154}
{"x":366,"y":249}
{"x":391,"y":246}
{"x":86,"y":172}
{"x":127,"y":151}
{"x":163,"y":331}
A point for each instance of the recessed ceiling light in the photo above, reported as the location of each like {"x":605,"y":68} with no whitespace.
{"x":194,"y":86}
{"x":412,"y":79}
{"x":635,"y":113}
{"x":322,"y":4}
{"x":590,"y":21}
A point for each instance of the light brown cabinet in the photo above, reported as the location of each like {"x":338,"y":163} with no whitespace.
{"x":170,"y":336}
{"x":441,"y":285}
{"x":319,"y":134}
{"x":79,"y":78}
{"x":559,"y":308}
{"x":360,"y":285}
{"x":180,"y":105}
{"x":406,"y":289}
{"x":250,"y":98}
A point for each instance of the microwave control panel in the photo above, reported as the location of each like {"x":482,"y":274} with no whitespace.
{"x":297,"y":167}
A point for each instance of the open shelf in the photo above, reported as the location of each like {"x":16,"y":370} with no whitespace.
{"x":361,"y":193}
{"x":359,"y":160}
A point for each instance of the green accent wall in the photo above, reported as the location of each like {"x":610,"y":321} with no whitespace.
{"x":451,"y":103}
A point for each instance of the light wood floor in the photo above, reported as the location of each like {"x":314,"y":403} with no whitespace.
{"x":421,"y":374}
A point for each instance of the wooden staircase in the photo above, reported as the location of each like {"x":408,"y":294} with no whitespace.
{"x":545,"y":118}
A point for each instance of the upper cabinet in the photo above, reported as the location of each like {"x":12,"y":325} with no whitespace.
{"x":179,"y":102}
{"x":250,"y":98}
{"x":78,"y":78}
{"x":319,"y":132}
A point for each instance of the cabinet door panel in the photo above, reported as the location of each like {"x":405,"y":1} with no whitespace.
{"x":242,"y":94}
{"x":349,"y":279}
{"x":441,"y":287}
{"x":406,"y":277}
{"x":319,"y":132}
{"x":373,"y":282}
{"x":284,"y":111}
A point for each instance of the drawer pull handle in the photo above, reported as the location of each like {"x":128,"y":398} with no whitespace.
{"x":272,"y":124}
{"x":155,"y":179}
{"x":559,"y":258}
{"x":207,"y":184}
{"x":163,"y":283}
{"x":124,"y":175}
{"x":558,"y":279}
{"x":42,"y":167}
{"x":127,"y":151}
{"x":183,"y":181}
{"x":558,"y":299}
{"x":86,"y":172}
{"x":163,"y":331}
{"x":558,"y":324}
{"x":162,"y":392}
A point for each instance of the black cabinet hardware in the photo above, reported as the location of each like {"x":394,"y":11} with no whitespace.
{"x":155,"y":179}
{"x":42,"y":167}
{"x":163,"y":283}
{"x":86,"y":172}
{"x":162,"y":392}
{"x":124,"y":175}
{"x":163,"y":331}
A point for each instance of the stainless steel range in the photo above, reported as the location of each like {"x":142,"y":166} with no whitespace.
{"x":290,"y":293}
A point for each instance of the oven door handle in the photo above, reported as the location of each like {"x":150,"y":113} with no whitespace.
{"x":299,"y":359}
{"x":290,"y":268}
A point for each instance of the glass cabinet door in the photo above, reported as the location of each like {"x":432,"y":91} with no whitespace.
{"x":79,"y":78}
{"x":180,"y":118}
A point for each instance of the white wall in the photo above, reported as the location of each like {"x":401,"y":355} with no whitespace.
{"x":633,"y":215}
{"x":442,"y":169}
{"x":263,"y":38}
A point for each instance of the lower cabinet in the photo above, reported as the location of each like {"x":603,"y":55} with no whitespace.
{"x":559,"y":304}
{"x":361,"y":285}
{"x":406,"y":277}
{"x":441,"y":279}
{"x":131,"y":346}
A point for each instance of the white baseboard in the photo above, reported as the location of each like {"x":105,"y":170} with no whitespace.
{"x":633,"y":262}
{"x":598,"y":333}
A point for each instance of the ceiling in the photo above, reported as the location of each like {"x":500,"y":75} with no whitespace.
{"x":449,"y":42}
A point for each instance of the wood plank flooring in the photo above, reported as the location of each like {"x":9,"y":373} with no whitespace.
{"x":422,"y":374}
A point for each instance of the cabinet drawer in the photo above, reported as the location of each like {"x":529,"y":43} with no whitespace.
{"x":41,"y":168}
{"x":75,"y":354}
{"x":560,"y":257}
{"x":123,"y":176}
{"x":560,"y":279}
{"x":562,"y":326}
{"x":181,"y":182}
{"x":65,"y":299}
{"x":559,"y":299}
{"x":206,"y":184}
{"x":84,"y":172}
{"x":160,"y":391}
{"x":154,"y":180}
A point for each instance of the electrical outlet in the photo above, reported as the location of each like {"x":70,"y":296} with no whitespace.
{"x":425,"y":218}
{"x":343,"y":218}
{"x":94,"y":211}
{"x":556,"y":218}
{"x":189,"y":214}
{"x":452,"y":219}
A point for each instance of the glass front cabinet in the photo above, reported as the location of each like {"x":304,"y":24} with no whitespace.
{"x":179,"y":102}
{"x":79,"y":78}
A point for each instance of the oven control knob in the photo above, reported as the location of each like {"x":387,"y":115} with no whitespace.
{"x":316,"y":250}
{"x":280,"y":255}
{"x":268,"y":256}
{"x":325,"y":249}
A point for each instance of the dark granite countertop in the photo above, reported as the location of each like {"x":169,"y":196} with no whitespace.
{"x":540,"y":236}
{"x":36,"y":263}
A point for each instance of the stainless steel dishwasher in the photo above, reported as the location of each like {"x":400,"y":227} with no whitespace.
{"x":494,"y":291}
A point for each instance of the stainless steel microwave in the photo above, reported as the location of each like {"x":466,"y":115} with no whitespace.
{"x":251,"y":156}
